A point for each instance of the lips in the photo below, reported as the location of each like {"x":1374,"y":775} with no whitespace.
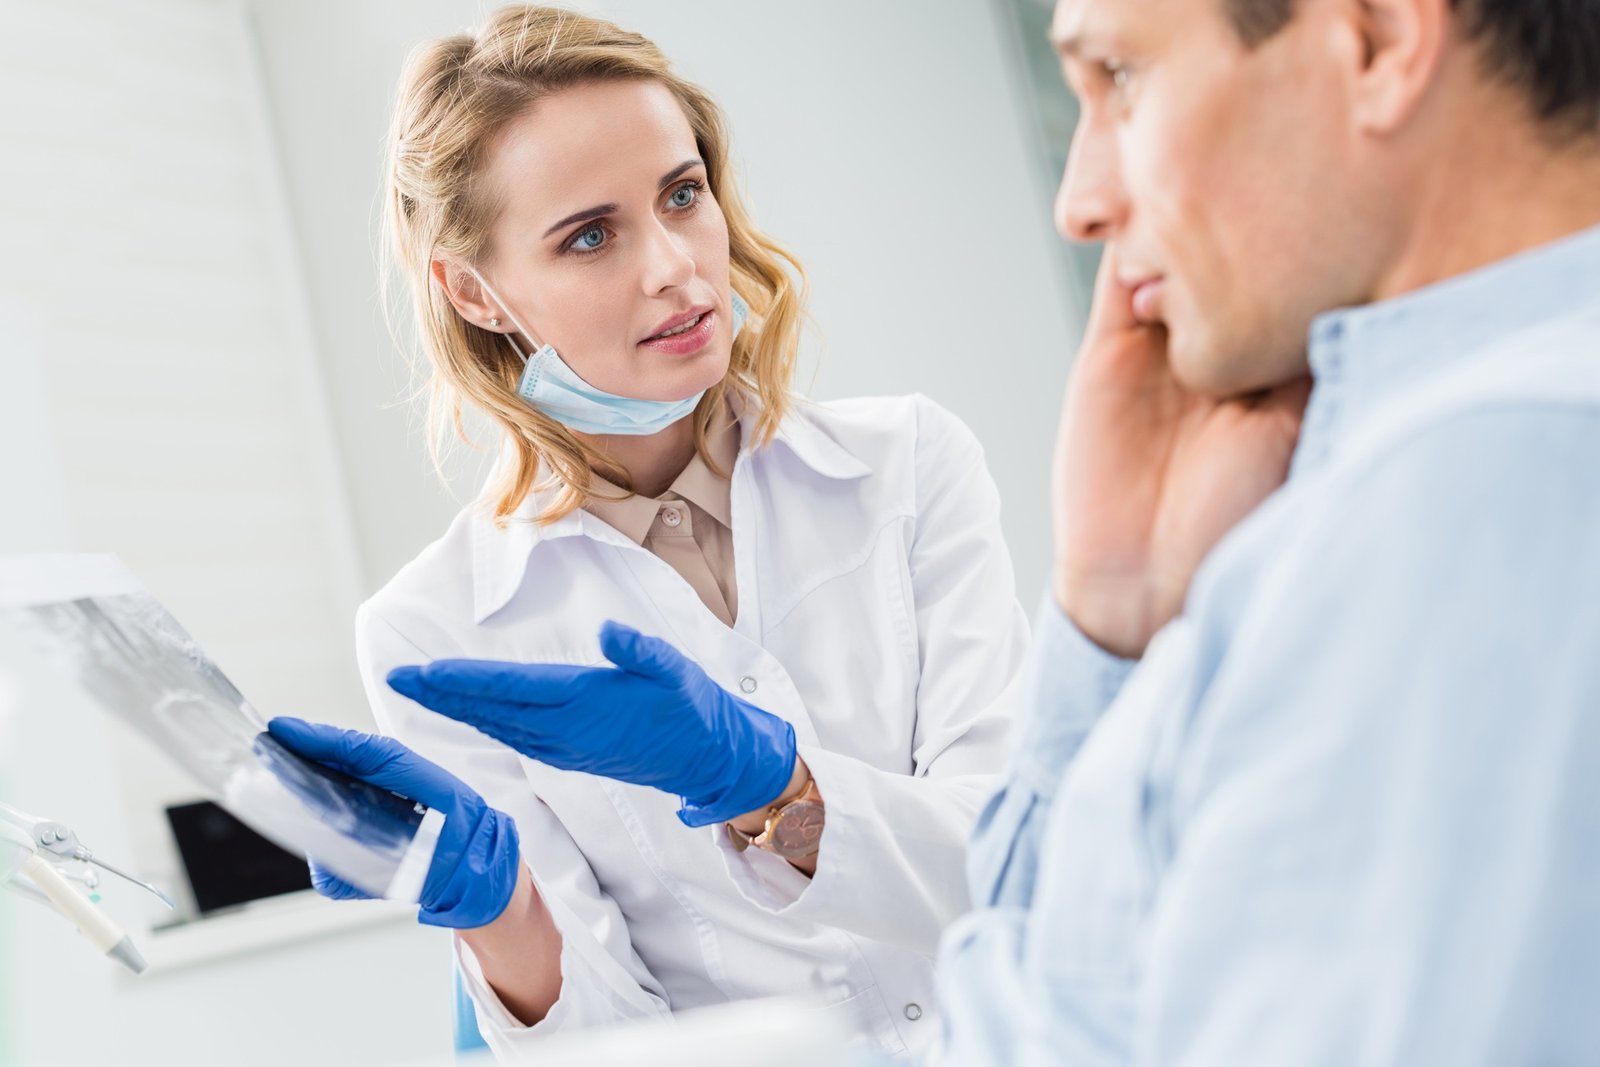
{"x":683,"y":321}
{"x":687,"y":335}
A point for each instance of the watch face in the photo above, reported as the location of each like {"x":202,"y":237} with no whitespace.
{"x":797,"y":831}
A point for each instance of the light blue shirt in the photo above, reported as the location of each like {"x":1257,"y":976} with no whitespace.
{"x":1346,"y":810}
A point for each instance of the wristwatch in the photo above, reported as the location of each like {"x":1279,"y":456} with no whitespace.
{"x":794,"y":828}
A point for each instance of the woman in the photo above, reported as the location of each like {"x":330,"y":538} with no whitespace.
{"x":829,"y":595}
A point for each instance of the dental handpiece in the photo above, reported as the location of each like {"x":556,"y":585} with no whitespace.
{"x":105,"y":935}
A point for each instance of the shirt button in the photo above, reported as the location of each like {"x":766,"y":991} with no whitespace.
{"x":670,"y":516}
{"x":913,"y":1012}
{"x":748,"y":684}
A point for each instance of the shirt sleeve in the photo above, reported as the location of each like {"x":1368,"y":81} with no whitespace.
{"x":602,"y":978}
{"x":893,"y":855}
{"x":1066,"y":685}
{"x":1387,"y":805}
{"x":1068,"y":682}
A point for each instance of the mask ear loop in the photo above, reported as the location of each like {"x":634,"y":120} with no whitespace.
{"x":533,"y":346}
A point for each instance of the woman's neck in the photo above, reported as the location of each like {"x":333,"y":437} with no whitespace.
{"x":653,"y":462}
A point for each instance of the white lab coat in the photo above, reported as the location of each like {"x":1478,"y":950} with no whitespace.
{"x":876,"y":613}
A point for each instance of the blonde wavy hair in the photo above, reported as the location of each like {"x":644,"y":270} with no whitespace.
{"x":456,"y":94}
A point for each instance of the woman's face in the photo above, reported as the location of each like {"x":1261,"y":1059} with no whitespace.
{"x":609,"y":242}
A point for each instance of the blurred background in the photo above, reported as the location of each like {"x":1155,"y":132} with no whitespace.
{"x":199,"y":378}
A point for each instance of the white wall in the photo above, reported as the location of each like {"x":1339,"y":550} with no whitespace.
{"x":884,"y":141}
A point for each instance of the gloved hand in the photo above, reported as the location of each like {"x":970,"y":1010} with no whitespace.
{"x":655,"y":719}
{"x":475,"y":863}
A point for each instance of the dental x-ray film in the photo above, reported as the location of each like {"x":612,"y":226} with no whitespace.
{"x":90,"y":616}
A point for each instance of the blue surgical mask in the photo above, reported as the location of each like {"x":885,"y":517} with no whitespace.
{"x":555,"y":388}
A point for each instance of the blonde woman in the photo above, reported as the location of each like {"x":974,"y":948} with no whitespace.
{"x":710,"y":682}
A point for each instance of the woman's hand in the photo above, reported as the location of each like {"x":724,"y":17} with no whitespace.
{"x":474,"y":869}
{"x":655,"y":719}
{"x":1149,"y":476}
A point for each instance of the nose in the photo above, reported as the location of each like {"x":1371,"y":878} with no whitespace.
{"x":668,"y":264}
{"x":1091,"y":204}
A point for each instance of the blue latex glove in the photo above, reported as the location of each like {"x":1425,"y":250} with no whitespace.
{"x":655,"y":719}
{"x":475,"y":863}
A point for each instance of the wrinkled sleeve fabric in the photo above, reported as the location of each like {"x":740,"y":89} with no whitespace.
{"x":1067,"y":684}
{"x":894,"y":849}
{"x":603,"y":981}
{"x":1387,"y":808}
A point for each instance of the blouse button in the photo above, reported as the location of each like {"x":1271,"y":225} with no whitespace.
{"x":913,"y":1012}
{"x":670,"y":516}
{"x":748,"y":684}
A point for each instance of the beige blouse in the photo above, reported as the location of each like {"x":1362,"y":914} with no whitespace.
{"x":690,"y":526}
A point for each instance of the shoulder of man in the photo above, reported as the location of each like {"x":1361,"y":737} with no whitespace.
{"x":1484,"y":478}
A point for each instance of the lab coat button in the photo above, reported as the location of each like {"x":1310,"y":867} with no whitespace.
{"x":748,"y":684}
{"x":671,"y":517}
{"x":913,"y":1012}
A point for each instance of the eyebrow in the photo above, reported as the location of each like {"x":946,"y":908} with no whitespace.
{"x":601,"y":211}
{"x":676,"y":172}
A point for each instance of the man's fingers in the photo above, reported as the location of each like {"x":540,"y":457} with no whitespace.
{"x":1285,"y":406}
{"x":1111,"y":309}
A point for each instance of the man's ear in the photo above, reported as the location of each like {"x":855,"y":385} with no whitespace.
{"x":1404,"y":42}
{"x":461,"y":287}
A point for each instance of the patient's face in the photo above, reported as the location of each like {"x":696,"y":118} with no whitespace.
{"x":1221,"y":174}
{"x":608,"y":233}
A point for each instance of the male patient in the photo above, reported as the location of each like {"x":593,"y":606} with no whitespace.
{"x":1332,"y":795}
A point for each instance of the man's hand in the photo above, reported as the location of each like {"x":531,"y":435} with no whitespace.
{"x":1150,"y":476}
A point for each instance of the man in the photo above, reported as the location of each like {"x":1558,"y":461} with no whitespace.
{"x":1345,"y":807}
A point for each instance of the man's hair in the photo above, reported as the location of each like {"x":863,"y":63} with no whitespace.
{"x":1550,"y":49}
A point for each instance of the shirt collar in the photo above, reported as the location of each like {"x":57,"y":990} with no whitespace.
{"x":699,"y":483}
{"x":1361,"y":358}
{"x":500,"y":556}
{"x":634,"y":515}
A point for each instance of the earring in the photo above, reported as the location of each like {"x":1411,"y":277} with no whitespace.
{"x":494,"y":323}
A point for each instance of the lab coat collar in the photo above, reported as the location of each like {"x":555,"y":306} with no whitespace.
{"x":500,"y":556}
{"x":799,"y":433}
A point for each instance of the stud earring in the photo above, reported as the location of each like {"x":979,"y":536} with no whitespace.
{"x":495,"y":323}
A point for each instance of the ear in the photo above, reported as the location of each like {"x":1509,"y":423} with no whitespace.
{"x":461,"y":288}
{"x":1404,"y":42}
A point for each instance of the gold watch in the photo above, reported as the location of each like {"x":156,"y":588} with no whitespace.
{"x":794,"y":828}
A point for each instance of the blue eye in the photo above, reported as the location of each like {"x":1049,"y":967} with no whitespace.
{"x":684,"y":195}
{"x":589,"y":239}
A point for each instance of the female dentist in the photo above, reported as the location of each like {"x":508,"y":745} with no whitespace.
{"x":710,"y":685}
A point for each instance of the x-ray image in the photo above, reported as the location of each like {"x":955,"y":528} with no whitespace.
{"x":88,"y":615}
